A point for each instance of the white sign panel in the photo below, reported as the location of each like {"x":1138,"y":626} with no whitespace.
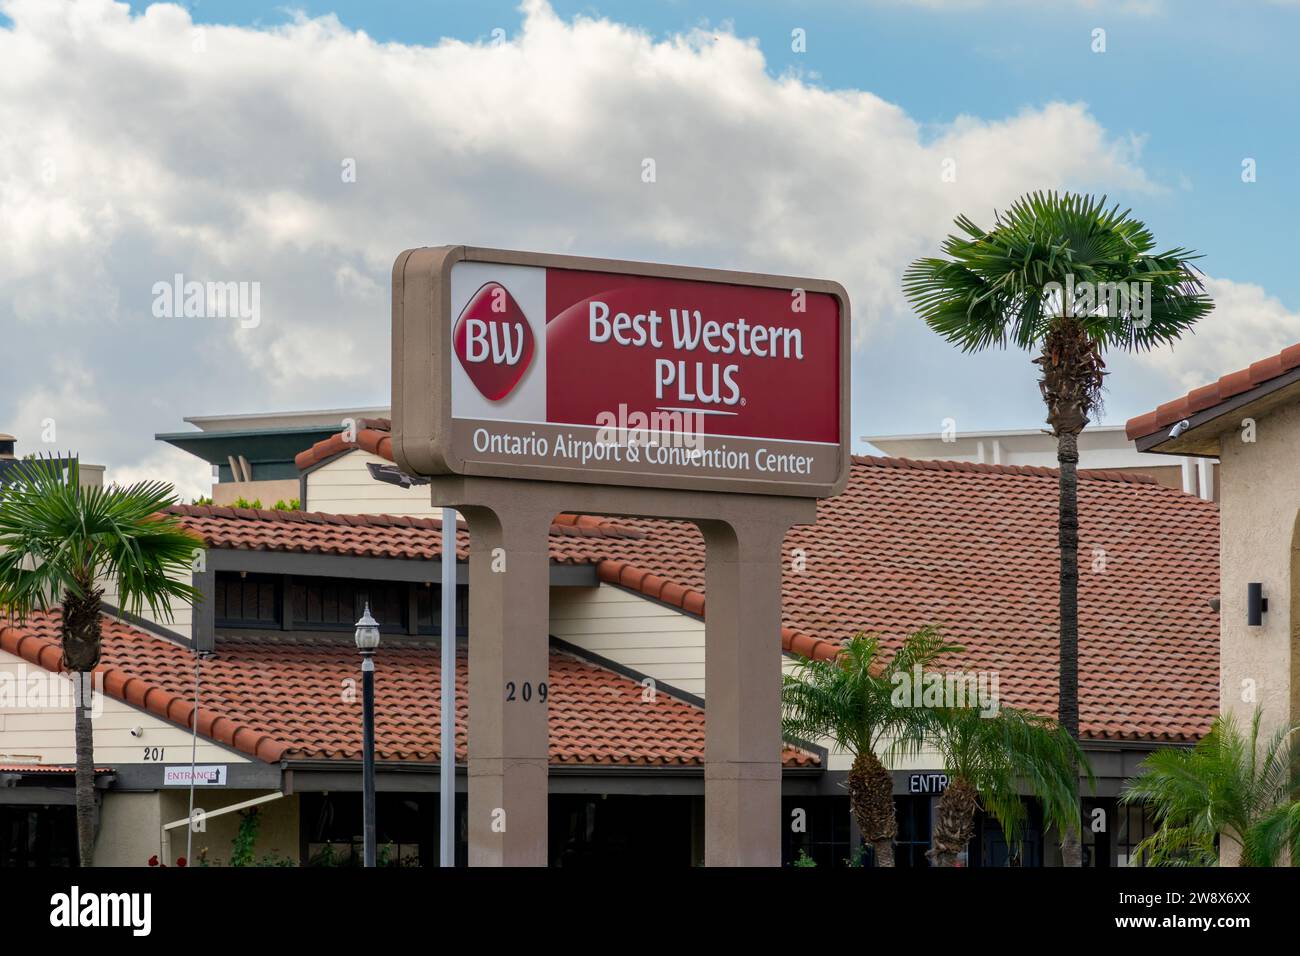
{"x":209,"y":776}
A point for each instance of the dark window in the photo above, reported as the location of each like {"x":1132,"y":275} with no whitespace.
{"x":37,"y":835}
{"x":331,"y":604}
{"x":406,"y":826}
{"x":249,"y":601}
{"x":817,"y":826}
{"x":913,"y":814}
{"x":990,"y":846}
{"x":429,"y":602}
{"x":336,"y":604}
{"x":1097,"y":844}
{"x":600,"y":830}
{"x":1133,"y":825}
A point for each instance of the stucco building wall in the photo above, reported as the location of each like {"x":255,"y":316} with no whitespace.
{"x":1260,"y":499}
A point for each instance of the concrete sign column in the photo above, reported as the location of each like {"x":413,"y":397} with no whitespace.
{"x":509,"y":610}
{"x":742,"y":673}
{"x":526,"y":385}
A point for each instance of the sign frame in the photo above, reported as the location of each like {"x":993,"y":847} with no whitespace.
{"x":422,"y":351}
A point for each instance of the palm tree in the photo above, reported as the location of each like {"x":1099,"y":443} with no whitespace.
{"x":59,"y":544}
{"x":1226,"y":786}
{"x":852,"y":701}
{"x":1066,"y":276}
{"x":986,"y":759}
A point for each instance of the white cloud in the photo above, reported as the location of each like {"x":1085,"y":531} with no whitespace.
{"x":191,"y":477}
{"x":134,"y":147}
{"x":1247,"y":325}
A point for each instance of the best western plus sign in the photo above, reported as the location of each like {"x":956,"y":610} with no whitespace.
{"x":627,"y":373}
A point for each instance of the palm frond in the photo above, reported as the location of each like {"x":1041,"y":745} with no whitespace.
{"x":57,"y":537}
{"x":995,"y":287}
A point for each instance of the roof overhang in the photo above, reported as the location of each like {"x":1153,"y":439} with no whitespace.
{"x":1202,"y":437}
{"x":273,"y":448}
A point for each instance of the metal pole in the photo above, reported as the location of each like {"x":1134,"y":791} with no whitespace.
{"x":447,"y":747}
{"x":194,"y":752}
{"x":368,"y":757}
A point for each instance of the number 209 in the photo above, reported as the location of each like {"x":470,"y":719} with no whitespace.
{"x":525,"y":691}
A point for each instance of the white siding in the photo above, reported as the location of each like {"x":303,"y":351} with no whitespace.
{"x":45,"y":732}
{"x":182,"y":614}
{"x":839,"y":759}
{"x":656,"y":640}
{"x":344,"y":486}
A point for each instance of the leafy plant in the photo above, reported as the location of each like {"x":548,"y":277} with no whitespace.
{"x":59,"y":544}
{"x":1227,"y":786}
{"x":241,"y":848}
{"x":803,"y":859}
{"x":986,"y":758}
{"x":850,"y":700}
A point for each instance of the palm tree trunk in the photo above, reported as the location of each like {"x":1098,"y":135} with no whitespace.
{"x":85,"y":773}
{"x":954,"y":823}
{"x":871,"y":796}
{"x":80,"y":634}
{"x":1067,"y":457}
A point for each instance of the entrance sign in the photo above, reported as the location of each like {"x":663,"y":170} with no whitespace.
{"x":935,"y":782}
{"x":210,"y":776}
{"x":521,"y":365}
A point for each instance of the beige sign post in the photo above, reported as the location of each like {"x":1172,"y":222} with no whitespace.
{"x":527,"y":385}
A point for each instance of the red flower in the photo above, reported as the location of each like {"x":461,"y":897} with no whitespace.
{"x":153,"y":860}
{"x":180,"y":861}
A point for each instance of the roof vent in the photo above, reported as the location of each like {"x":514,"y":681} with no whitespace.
{"x":7,"y":443}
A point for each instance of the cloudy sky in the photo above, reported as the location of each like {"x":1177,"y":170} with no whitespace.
{"x":139,"y":141}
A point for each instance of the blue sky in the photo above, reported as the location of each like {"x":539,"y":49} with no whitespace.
{"x":1204,"y":83}
{"x":224,"y":162}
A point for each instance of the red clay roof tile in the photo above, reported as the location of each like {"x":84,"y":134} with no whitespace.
{"x":281,"y":699}
{"x":972,"y":548}
{"x":1208,"y":396}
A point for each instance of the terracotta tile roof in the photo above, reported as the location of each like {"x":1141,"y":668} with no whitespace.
{"x":280,"y":698}
{"x":367,"y":535}
{"x":44,"y":768}
{"x":1207,"y":396}
{"x":972,"y":548}
{"x":373,"y":435}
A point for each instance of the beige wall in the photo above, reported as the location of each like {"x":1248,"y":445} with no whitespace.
{"x":182,"y":619}
{"x":659,"y":641}
{"x":277,"y":835}
{"x":129,"y":828}
{"x":131,"y":824}
{"x":1260,"y":499}
{"x":344,"y":486}
{"x":45,"y":732}
{"x":268,"y":492}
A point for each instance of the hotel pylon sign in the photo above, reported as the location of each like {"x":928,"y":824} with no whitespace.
{"x":526,"y":385}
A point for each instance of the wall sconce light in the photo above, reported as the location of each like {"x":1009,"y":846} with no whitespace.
{"x":1256,"y":604}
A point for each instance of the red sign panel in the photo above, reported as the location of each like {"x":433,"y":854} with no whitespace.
{"x":587,"y":370}
{"x":754,"y":362}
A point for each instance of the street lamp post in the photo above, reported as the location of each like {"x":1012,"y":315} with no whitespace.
{"x":367,"y":638}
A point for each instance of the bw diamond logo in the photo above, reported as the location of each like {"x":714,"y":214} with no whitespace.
{"x":493,"y":341}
